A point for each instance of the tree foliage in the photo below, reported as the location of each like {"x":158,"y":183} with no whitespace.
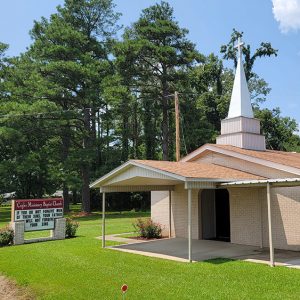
{"x":78,"y":102}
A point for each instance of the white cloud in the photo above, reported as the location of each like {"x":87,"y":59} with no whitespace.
{"x":287,"y":13}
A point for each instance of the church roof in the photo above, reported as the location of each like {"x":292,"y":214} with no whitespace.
{"x":290,"y":159}
{"x":155,"y":173}
{"x":198,"y":170}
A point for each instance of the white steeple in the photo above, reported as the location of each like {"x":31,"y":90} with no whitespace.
{"x":240,"y":128}
{"x":240,"y":103}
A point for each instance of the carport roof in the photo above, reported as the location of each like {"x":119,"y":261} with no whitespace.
{"x":174,"y":171}
{"x":198,"y":170}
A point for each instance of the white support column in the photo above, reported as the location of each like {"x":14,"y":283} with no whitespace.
{"x":270,"y":225}
{"x":170,"y":214}
{"x":103,"y":220}
{"x":190,"y":223}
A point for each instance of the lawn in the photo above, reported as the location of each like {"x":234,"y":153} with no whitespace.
{"x":80,"y":269}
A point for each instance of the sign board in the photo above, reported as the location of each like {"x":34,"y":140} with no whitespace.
{"x":37,"y":214}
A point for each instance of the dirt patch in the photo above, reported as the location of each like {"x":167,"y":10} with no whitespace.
{"x":80,"y":214}
{"x":10,"y":291}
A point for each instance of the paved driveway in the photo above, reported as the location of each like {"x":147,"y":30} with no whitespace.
{"x":177,"y":249}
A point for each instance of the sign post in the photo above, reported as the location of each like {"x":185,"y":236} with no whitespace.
{"x":38,"y":214}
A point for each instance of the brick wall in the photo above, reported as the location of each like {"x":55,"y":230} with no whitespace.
{"x":245,"y":216}
{"x":285,"y":218}
{"x":249,"y":217}
{"x":160,"y":211}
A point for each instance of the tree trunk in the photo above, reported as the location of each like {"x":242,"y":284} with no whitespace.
{"x":66,"y":140}
{"x":149,"y":129}
{"x":135,"y":131}
{"x":85,"y":169}
{"x":125,"y":130}
{"x":66,"y":198}
{"x":86,"y":201}
{"x":74,"y":196}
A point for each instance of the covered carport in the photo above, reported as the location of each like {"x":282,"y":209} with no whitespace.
{"x":134,"y":176}
{"x":268,"y":184}
{"x":137,"y":176}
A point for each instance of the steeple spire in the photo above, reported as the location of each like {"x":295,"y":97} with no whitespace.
{"x":240,"y":129}
{"x":240,"y":103}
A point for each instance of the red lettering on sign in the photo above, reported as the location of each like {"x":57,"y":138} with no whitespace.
{"x":39,"y":204}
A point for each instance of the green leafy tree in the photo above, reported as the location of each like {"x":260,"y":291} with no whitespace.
{"x":280,"y":132}
{"x":229,"y":52}
{"x":155,"y":52}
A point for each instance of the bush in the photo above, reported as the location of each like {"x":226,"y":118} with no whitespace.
{"x":148,"y":229}
{"x":6,"y":236}
{"x":71,"y":228}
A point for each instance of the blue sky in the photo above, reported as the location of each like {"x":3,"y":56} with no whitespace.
{"x":210,"y":24}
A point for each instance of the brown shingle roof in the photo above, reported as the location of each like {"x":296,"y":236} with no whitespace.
{"x":198,"y":170}
{"x":285,"y":158}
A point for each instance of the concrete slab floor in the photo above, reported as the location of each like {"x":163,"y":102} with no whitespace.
{"x":177,"y":249}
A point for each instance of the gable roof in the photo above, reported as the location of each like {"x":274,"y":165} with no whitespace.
{"x":290,"y":160}
{"x":197,"y":170}
{"x":176,"y":171}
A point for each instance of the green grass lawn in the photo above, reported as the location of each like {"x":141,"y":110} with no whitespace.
{"x":80,"y":269}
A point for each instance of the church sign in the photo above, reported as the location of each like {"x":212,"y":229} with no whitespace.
{"x":37,"y":214}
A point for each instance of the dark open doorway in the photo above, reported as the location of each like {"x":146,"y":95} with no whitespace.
{"x":215,"y":215}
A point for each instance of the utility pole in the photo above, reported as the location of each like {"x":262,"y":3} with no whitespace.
{"x":177,"y":126}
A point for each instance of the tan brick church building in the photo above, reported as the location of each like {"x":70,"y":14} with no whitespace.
{"x":233,"y":191}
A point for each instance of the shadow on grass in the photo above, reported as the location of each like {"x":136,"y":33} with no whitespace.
{"x":5,"y":214}
{"x":112,"y":215}
{"x":219,"y":261}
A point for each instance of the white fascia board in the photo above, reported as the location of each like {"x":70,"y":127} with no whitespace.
{"x":166,"y":173}
{"x":110,"y":174}
{"x":263,"y":182}
{"x":125,"y":166}
{"x":252,"y":159}
{"x":221,"y":180}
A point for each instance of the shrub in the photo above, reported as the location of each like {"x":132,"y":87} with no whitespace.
{"x":6,"y":236}
{"x":71,"y":228}
{"x":148,"y":229}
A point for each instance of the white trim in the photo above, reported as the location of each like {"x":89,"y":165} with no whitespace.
{"x":179,"y":177}
{"x":170,"y":214}
{"x":103,"y":220}
{"x":135,"y":188}
{"x":246,"y":157}
{"x":284,"y":182}
{"x":109,"y":174}
{"x":169,"y":176}
{"x":190,"y":224}
{"x":199,"y":185}
{"x":269,"y":202}
{"x":128,"y":164}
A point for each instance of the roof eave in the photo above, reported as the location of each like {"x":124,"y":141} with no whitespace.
{"x":260,"y":161}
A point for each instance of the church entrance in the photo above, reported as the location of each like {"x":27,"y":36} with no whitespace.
{"x":215,"y":215}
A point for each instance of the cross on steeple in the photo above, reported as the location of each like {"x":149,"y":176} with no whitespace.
{"x":239,"y":46}
{"x":240,"y":128}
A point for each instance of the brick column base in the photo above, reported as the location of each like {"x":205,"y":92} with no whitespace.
{"x":59,"y":232}
{"x":18,"y":228}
